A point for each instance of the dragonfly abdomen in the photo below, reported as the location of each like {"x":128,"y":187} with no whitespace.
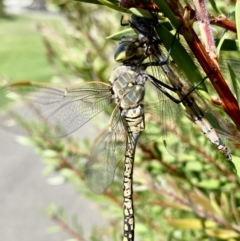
{"x":128,"y":207}
{"x":212,"y":135}
{"x":198,"y":117}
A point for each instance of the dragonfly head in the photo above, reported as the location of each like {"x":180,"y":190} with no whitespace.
{"x":129,"y":51}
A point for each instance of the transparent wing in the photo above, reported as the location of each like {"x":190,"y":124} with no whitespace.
{"x":235,"y":65}
{"x":228,"y":66}
{"x":108,"y":150}
{"x":178,"y":81}
{"x":166,"y":120}
{"x":169,"y":115}
{"x":61,"y":109}
{"x":173,"y":128}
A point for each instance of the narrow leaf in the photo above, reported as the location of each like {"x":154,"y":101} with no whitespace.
{"x":191,"y":223}
{"x":53,"y":229}
{"x":180,"y":56}
{"x":225,"y":205}
{"x":58,"y":180}
{"x":89,"y":1}
{"x":237,"y":17}
{"x":209,"y":184}
{"x":235,"y":82}
{"x":117,"y":36}
{"x":199,"y":198}
{"x":217,"y":208}
{"x":227,"y":45}
{"x":214,"y":6}
{"x":113,"y":6}
{"x":236,"y":162}
{"x":222,"y":233}
{"x":168,"y":13}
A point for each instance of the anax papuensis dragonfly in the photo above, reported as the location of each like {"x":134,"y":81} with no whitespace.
{"x":169,"y":74}
{"x":57,"y":111}
{"x":65,"y":109}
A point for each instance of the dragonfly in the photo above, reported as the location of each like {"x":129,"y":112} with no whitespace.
{"x":64,"y":109}
{"x":168,"y":72}
{"x":57,"y":111}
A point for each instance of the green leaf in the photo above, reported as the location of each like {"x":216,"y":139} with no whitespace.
{"x":111,"y":4}
{"x":62,"y":214}
{"x":120,"y":34}
{"x":67,"y":173}
{"x":194,"y":166}
{"x":53,"y":161}
{"x":173,"y":205}
{"x":180,"y":56}
{"x":225,"y":205}
{"x":227,"y":44}
{"x":25,"y":141}
{"x":202,"y":200}
{"x":217,"y":208}
{"x":237,"y":17}
{"x":220,"y":42}
{"x":94,"y":1}
{"x":49,"y":153}
{"x":89,"y":1}
{"x":141,"y":13}
{"x":58,"y":180}
{"x":236,"y":162}
{"x":191,"y":223}
{"x":48,"y":170}
{"x":130,"y":32}
{"x":53,"y":229}
{"x":214,"y":6}
{"x":168,"y":13}
{"x":76,"y":224}
{"x":235,"y":82}
{"x":222,"y":233}
{"x":51,"y":210}
{"x":210,"y":184}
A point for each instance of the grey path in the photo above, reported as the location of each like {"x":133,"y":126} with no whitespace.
{"x":24,"y":194}
{"x":18,"y":6}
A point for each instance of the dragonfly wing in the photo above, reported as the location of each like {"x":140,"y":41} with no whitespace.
{"x":167,"y":120}
{"x":235,"y":64}
{"x":51,"y":109}
{"x":108,"y":150}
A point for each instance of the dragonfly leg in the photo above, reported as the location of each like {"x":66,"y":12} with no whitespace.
{"x":162,"y":87}
{"x":122,"y":23}
{"x":198,"y":84}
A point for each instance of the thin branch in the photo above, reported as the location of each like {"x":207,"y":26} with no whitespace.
{"x":67,"y":228}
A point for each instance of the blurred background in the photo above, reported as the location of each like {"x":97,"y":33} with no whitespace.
{"x":193,"y":195}
{"x":24,"y":193}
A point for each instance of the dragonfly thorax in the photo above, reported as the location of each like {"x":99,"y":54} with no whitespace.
{"x":127,"y":87}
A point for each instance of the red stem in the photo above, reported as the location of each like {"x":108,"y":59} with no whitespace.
{"x":204,"y":26}
{"x":229,"y":103}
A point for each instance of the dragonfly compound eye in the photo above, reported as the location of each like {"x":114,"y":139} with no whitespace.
{"x":125,"y":51}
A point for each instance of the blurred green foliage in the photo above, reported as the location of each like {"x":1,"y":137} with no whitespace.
{"x":2,"y":12}
{"x":22,"y":51}
{"x":192,"y":196}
